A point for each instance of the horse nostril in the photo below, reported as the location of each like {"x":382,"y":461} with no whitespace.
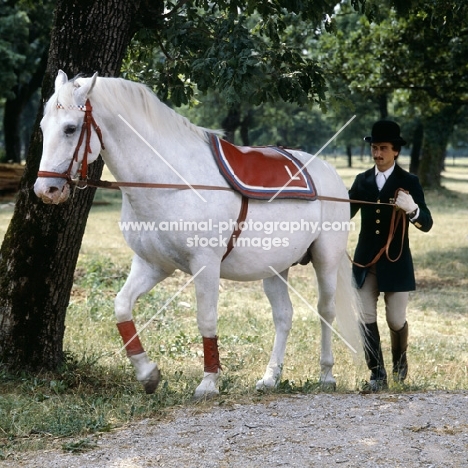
{"x":52,"y":189}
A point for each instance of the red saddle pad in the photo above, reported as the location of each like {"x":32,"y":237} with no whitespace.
{"x":263,"y":172}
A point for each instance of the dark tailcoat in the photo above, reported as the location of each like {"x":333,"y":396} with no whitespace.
{"x":375,"y":225}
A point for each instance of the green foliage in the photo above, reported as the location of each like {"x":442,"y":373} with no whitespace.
{"x":422,"y":52}
{"x":281,"y":123}
{"x":14,"y":32}
{"x":24,"y":38}
{"x":402,"y":52}
{"x":256,"y":56}
{"x":406,"y":64}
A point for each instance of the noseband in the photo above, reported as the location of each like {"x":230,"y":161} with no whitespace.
{"x":88,"y":122}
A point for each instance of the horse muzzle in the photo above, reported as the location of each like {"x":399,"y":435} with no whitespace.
{"x":52,"y":191}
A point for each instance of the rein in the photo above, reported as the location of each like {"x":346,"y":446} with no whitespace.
{"x":398,"y":216}
{"x":117,"y":185}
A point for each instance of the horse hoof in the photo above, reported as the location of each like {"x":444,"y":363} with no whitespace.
{"x":202,"y":396}
{"x":151,"y":383}
{"x":265,"y":385}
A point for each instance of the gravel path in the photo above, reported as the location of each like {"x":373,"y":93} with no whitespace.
{"x":383,"y":430}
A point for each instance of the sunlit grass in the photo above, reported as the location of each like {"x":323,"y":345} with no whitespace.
{"x":245,"y":325}
{"x":96,"y":390}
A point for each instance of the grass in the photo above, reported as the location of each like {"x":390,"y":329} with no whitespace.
{"x":95,"y":391}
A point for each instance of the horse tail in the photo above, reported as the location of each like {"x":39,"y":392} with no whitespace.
{"x":348,"y":306}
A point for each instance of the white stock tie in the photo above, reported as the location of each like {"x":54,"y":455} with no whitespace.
{"x":380,"y":180}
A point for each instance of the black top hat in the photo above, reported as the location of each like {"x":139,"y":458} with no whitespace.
{"x":385,"y":131}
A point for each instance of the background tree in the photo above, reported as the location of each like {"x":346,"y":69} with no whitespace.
{"x":13,"y":33}
{"x":25,"y":35}
{"x":13,"y":30}
{"x":417,"y":63}
{"x":29,"y":76}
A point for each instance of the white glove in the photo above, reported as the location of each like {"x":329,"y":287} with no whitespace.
{"x":405,"y":202}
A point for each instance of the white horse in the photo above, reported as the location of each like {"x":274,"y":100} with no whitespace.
{"x":145,"y":141}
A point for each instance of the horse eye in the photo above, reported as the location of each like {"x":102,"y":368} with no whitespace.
{"x":70,"y":129}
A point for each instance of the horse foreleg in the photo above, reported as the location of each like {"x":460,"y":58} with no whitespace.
{"x":278,"y":295}
{"x":146,"y":372}
{"x":207,"y":292}
{"x":212,"y":369}
{"x":142,"y":278}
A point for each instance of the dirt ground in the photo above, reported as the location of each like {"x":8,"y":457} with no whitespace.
{"x":354,"y":430}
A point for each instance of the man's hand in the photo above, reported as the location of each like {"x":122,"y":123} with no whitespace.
{"x":405,"y":202}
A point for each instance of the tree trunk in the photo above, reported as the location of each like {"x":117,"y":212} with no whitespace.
{"x":437,"y":130}
{"x":41,"y":247}
{"x":14,"y":108}
{"x":349,"y":153}
{"x":416,"y":148}
{"x":11,"y":125}
{"x":245,"y":127}
{"x":382,"y":100}
{"x":231,"y":123}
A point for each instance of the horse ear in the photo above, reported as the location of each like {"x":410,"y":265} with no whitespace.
{"x":60,"y":80}
{"x":83,"y":91}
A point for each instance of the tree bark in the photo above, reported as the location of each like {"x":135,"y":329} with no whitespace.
{"x":415,"y":155}
{"x":437,"y":130}
{"x":41,"y":247}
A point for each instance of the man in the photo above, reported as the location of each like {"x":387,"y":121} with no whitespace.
{"x":392,"y":273}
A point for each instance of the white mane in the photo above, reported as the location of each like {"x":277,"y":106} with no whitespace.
{"x":136,"y":103}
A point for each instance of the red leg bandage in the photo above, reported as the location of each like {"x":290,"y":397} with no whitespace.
{"x":211,"y":354}
{"x":130,"y":338}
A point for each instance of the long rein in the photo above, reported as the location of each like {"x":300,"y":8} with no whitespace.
{"x":398,"y":216}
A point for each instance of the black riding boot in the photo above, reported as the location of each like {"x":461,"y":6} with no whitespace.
{"x":374,"y":357}
{"x":399,"y":346}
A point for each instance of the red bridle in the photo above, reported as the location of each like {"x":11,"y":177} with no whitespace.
{"x":88,"y":122}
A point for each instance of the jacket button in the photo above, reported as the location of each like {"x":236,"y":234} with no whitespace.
{"x":377,"y":210}
{"x":377,"y":232}
{"x":377,"y":221}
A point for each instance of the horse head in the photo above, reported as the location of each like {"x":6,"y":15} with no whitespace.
{"x":68,"y":138}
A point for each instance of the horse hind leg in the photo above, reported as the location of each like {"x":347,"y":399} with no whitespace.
{"x":142,"y":278}
{"x":326,"y":263}
{"x":277,"y":292}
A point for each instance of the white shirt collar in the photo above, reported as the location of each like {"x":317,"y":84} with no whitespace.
{"x":386,"y":173}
